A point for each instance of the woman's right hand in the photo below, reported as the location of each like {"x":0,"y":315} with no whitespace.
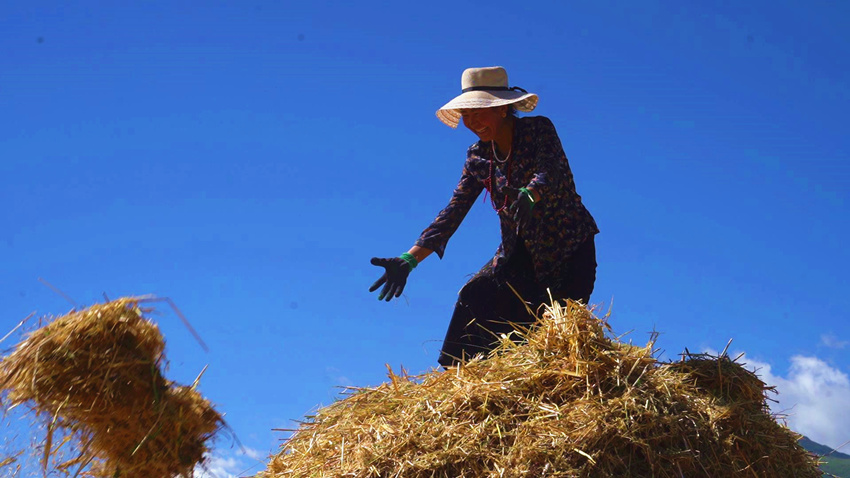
{"x":394,"y":279}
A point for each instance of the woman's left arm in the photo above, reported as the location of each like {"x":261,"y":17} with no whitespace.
{"x":534,"y":194}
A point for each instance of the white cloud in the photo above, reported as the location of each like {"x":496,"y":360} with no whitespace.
{"x":252,"y":453}
{"x":239,"y":463}
{"x":814,"y":396}
{"x":831,"y":341}
{"x":219,"y":467}
{"x":333,"y":375}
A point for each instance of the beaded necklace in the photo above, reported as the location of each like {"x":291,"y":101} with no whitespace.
{"x":489,"y":184}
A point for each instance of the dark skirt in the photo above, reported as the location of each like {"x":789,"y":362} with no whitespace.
{"x":486,"y":306}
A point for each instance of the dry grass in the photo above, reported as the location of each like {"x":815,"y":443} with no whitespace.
{"x":96,"y":376}
{"x":567,"y":402}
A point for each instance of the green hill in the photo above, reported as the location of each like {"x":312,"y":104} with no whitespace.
{"x":839,"y":467}
{"x":821,"y":449}
{"x":837,"y":463}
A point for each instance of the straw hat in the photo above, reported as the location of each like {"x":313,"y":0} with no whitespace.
{"x":485,"y":88}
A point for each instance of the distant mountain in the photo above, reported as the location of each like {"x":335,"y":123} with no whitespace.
{"x":836,"y":464}
{"x":821,"y":449}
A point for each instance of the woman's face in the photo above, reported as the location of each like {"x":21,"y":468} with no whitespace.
{"x":484,"y":122}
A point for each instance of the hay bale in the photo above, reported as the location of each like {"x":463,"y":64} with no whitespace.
{"x":96,"y":376}
{"x":567,"y":402}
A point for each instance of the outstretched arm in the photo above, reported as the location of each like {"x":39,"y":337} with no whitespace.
{"x":433,"y":239}
{"x":419,"y":252}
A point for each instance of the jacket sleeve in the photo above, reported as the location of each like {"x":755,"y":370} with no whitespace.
{"x":549,"y":158}
{"x":437,"y":235}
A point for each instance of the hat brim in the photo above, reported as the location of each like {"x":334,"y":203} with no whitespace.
{"x":450,"y":112}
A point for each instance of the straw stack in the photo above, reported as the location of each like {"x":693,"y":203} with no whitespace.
{"x":96,"y":376}
{"x":568,"y":401}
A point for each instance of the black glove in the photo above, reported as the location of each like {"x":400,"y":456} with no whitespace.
{"x":522,"y":207}
{"x":394,"y":278}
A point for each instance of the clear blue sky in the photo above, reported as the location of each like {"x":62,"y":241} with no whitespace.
{"x":247,"y":159}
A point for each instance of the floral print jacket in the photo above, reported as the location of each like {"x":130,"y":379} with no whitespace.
{"x":560,"y":222}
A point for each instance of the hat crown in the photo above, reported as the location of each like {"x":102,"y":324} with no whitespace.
{"x":485,"y":87}
{"x":495,"y":76}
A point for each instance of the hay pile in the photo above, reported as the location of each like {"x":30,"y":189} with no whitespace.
{"x":570,"y":402}
{"x":96,"y":376}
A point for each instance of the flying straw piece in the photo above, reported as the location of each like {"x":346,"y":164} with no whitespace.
{"x":20,"y":324}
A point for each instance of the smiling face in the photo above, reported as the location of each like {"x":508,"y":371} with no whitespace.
{"x":485,"y":122}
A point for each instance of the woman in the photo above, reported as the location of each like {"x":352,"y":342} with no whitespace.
{"x":547,"y":234}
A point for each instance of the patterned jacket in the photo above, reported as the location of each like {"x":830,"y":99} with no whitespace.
{"x":559,"y":223}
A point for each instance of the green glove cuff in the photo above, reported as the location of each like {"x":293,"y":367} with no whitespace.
{"x":411,"y":261}
{"x":530,"y":196}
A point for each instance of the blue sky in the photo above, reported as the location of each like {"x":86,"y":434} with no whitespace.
{"x":247,"y":159}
